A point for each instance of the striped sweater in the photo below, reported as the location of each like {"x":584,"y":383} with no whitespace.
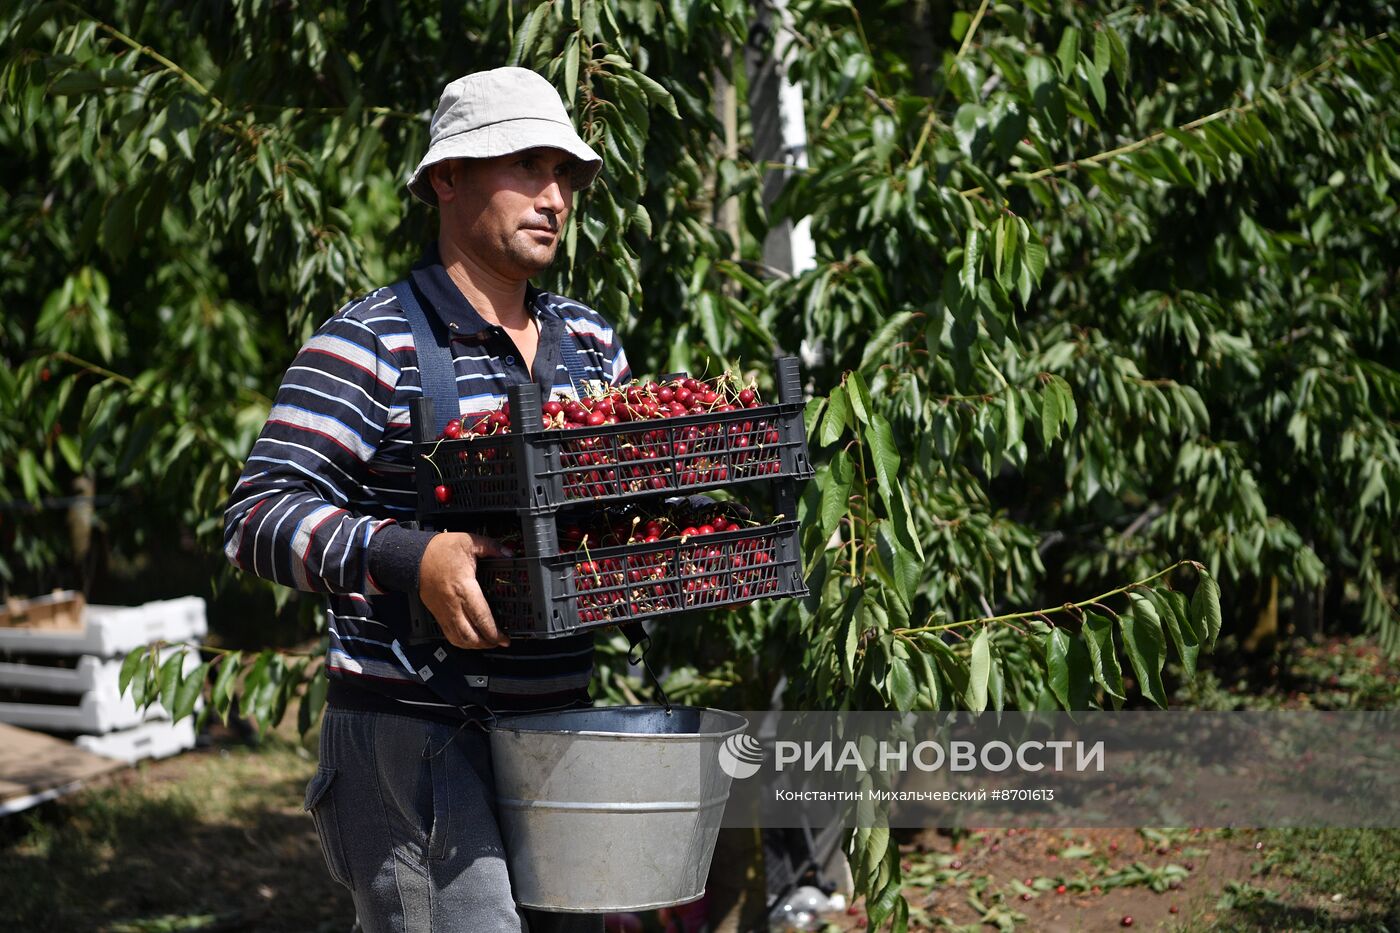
{"x":330,"y":477}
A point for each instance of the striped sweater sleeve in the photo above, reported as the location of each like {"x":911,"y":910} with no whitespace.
{"x":290,"y":518}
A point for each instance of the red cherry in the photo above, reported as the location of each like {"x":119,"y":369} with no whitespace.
{"x":596,"y":418}
{"x":746,"y":396}
{"x":1127,"y":921}
{"x":443,"y":494}
{"x":552,"y":408}
{"x":690,"y":532}
{"x":453,"y":429}
{"x":705,"y":530}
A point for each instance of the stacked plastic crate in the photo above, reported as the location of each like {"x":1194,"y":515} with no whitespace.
{"x":537,"y":485}
{"x":63,"y":678}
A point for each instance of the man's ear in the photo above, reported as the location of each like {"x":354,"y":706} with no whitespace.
{"x":443,"y":177}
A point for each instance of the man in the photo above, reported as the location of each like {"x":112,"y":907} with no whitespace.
{"x":403,"y":799}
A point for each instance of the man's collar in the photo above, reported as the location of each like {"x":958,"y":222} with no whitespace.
{"x":453,"y":308}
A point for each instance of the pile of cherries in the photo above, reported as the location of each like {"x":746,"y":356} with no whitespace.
{"x":655,"y":458}
{"x":691,"y":573}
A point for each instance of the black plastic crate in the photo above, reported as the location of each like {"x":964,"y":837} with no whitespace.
{"x":534,"y":470}
{"x":551,"y":595}
{"x":546,"y":597}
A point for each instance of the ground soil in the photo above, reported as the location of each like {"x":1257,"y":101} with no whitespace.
{"x":1000,"y":858}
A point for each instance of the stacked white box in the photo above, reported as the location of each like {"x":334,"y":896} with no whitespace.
{"x":83,"y":691}
{"x":159,"y":739}
{"x":112,"y":631}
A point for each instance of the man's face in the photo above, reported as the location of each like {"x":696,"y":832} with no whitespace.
{"x":509,"y":212}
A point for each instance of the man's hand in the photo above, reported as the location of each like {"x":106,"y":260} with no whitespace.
{"x":449,"y":590}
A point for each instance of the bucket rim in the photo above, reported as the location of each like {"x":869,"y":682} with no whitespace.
{"x":504,"y":724}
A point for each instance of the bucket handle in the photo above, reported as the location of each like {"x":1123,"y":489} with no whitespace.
{"x":638,"y":644}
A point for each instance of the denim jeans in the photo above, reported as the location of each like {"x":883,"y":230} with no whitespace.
{"x":405,"y":811}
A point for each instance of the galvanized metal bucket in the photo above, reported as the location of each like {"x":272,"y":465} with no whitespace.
{"x":611,"y":809}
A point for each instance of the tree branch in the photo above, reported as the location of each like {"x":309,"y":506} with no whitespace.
{"x":1109,"y":155}
{"x":1067,"y":607}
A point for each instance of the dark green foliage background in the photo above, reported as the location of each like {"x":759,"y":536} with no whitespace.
{"x":1117,"y":285}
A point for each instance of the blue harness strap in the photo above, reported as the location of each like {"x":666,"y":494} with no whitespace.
{"x":436,"y":371}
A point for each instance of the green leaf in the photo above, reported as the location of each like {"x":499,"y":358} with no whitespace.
{"x":850,"y":634}
{"x":1036,"y":257}
{"x":1056,"y":408}
{"x":1181,"y":608}
{"x":811,"y":415}
{"x":29,"y":474}
{"x":1120,"y":55}
{"x":1103,"y":56}
{"x":133,"y":660}
{"x":1183,"y":636}
{"x":188,"y":692}
{"x":1068,"y":51}
{"x":656,"y":93}
{"x":838,"y":417}
{"x":979,"y":672}
{"x":930,"y":680}
{"x":999,"y":250}
{"x":953,"y":667}
{"x":1146,"y":648}
{"x":902,"y":519}
{"x":1068,"y":664}
{"x":972,"y":261}
{"x":1011,"y":418}
{"x":1103,"y":655}
{"x":219,"y":695}
{"x":143,"y":682}
{"x":1205,"y":610}
{"x":966,"y":122}
{"x":571,"y":62}
{"x":71,"y":451}
{"x":885,"y":902}
{"x":170,"y":675}
{"x":836,"y":492}
{"x":1052,"y":414}
{"x":640,"y":220}
{"x":900,"y":684}
{"x":1095,"y":81}
{"x":879,"y":438}
{"x":876,"y":845}
{"x":859,"y":397}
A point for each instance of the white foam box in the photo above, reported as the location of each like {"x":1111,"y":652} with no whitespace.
{"x":95,"y":712}
{"x":79,"y":675}
{"x":88,"y":673}
{"x":157,"y":739}
{"x":112,"y":631}
{"x":99,"y":708}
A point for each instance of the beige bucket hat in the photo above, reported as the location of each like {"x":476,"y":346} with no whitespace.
{"x":497,"y":112}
